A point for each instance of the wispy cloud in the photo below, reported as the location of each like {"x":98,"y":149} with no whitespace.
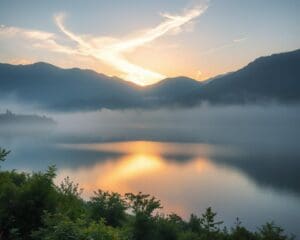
{"x":111,"y":51}
{"x":38,"y":38}
{"x":237,"y":40}
{"x":224,"y":46}
{"x":21,"y":61}
{"x":7,"y":31}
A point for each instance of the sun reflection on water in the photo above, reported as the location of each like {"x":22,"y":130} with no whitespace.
{"x":174,"y":173}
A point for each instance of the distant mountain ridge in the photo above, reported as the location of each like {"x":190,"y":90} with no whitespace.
{"x":10,"y":118}
{"x":52,"y":87}
{"x":271,"y":78}
{"x":274,"y":78}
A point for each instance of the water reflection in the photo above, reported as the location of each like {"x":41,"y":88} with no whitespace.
{"x":185,"y":186}
{"x":251,"y":182}
{"x":143,"y":167}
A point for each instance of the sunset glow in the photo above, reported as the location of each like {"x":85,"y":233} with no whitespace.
{"x":144,"y":120}
{"x":176,"y":39}
{"x":108,"y":50}
{"x":112,"y":51}
{"x":142,"y":165}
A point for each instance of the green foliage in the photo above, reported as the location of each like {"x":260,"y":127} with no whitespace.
{"x":240,"y":233}
{"x":70,"y":202}
{"x":3,"y":154}
{"x":23,"y":200}
{"x":59,"y":226}
{"x":209,"y":226}
{"x":32,"y":207}
{"x":188,"y":235}
{"x":143,"y":206}
{"x":194,"y":224}
{"x":270,"y":231}
{"x":108,"y":206}
{"x":167,"y":228}
{"x":142,"y":203}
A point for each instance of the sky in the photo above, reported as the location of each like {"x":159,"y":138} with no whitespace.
{"x":146,"y":41}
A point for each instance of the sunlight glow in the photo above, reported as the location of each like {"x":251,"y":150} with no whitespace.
{"x":108,"y":50}
{"x":133,"y":166}
{"x":143,"y":166}
{"x":111,"y":51}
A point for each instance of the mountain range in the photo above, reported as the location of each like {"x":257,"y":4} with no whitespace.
{"x":274,"y":78}
{"x":11,"y":119}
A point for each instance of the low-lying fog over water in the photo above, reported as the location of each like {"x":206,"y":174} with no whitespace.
{"x":244,"y":161}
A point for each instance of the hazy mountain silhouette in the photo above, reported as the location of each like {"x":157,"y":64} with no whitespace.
{"x":169,"y":90}
{"x":65,"y":89}
{"x":21,"y":125}
{"x":272,"y":78}
{"x":10,"y":118}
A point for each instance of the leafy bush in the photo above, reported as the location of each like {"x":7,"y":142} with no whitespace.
{"x":32,"y":207}
{"x":58,"y":226}
{"x":23,"y":200}
{"x":108,"y":206}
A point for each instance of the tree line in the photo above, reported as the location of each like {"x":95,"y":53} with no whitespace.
{"x":32,"y":207}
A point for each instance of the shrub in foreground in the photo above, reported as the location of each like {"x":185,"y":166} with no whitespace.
{"x":32,"y":207}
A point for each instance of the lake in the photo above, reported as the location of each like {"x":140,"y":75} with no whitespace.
{"x":241,"y":169}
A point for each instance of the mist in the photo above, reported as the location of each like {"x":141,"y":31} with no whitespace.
{"x":258,"y":143}
{"x":224,"y":124}
{"x":239,"y":124}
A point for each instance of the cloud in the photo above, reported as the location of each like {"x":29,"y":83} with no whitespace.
{"x":239,"y":40}
{"x":224,"y":46}
{"x":108,"y":50}
{"x":38,"y":38}
{"x":6,"y":31}
{"x":199,"y":75}
{"x":111,"y":51}
{"x":21,"y":61}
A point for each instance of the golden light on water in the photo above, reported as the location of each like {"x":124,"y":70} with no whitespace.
{"x":147,"y":147}
{"x":151,"y":168}
{"x":133,"y":166}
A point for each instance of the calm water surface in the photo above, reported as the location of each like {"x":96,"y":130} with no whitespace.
{"x":187,"y":177}
{"x":241,"y":161}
